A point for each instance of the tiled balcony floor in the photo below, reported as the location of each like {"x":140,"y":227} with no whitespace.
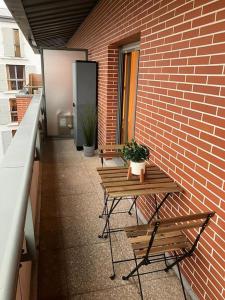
{"x":74,"y":262}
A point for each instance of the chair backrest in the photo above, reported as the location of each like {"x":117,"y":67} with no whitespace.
{"x":182,"y":222}
{"x":160,"y":226}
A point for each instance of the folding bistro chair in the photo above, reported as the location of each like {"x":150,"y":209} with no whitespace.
{"x":164,"y":240}
{"x":109,"y":151}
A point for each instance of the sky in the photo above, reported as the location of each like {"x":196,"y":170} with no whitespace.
{"x":2,"y":4}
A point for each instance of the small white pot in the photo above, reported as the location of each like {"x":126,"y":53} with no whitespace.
{"x":136,"y":167}
{"x":89,"y":151}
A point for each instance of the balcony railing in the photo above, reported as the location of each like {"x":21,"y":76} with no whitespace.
{"x":16,"y":221}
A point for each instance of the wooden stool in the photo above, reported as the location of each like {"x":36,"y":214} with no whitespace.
{"x":129,"y":175}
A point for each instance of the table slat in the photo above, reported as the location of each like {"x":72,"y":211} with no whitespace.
{"x":114,"y":180}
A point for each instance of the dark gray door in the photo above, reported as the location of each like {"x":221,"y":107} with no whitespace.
{"x":85,"y":90}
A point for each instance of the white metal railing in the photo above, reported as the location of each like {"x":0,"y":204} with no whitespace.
{"x":15,"y":212}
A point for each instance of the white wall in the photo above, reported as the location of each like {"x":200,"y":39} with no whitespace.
{"x":58,"y":84}
{"x":5,"y":116}
{"x":5,"y":140}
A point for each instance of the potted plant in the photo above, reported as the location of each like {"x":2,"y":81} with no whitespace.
{"x":89,"y":128}
{"x":137,"y":155}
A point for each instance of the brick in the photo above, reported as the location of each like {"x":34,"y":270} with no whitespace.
{"x":216,"y":80}
{"x":205,"y":89}
{"x":220,"y":15}
{"x":213,"y":28}
{"x":194,"y":13}
{"x":196,"y":79}
{"x":219,"y":38}
{"x":186,"y":70}
{"x":191,"y":33}
{"x":204,"y":108}
{"x":213,"y":49}
{"x":204,"y":60}
{"x":214,"y":120}
{"x":218,"y":101}
{"x":201,"y":125}
{"x":204,"y":20}
{"x":194,"y":97}
{"x":217,"y":59}
{"x":208,"y":175}
{"x":209,"y":70}
{"x":206,"y":40}
{"x":213,"y":6}
{"x":188,"y":52}
{"x":217,"y":171}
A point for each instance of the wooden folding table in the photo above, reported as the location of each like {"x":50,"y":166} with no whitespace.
{"x":117,"y":187}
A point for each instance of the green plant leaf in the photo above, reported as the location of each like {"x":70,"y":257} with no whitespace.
{"x":135,"y":152}
{"x":88,"y":122}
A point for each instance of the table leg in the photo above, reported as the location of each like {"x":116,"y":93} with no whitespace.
{"x":158,"y":207}
{"x":132,"y":205}
{"x":112,"y":276}
{"x":135,"y":201}
{"x":115,"y":202}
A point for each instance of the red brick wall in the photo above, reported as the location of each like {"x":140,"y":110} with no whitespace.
{"x":180,"y":107}
{"x":22,"y":103}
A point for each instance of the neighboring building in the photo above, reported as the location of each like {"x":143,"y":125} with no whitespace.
{"x":17,"y":63}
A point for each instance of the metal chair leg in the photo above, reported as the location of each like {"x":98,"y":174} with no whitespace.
{"x":139,"y":279}
{"x":113,"y":275}
{"x":134,"y":270}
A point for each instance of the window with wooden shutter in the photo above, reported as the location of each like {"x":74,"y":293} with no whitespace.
{"x":16,"y":77}
{"x":11,"y":42}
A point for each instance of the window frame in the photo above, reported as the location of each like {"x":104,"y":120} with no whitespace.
{"x":16,"y":79}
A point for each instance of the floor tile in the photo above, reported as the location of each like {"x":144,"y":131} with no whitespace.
{"x":87,"y":204}
{"x":52,"y":276}
{"x":118,"y":293}
{"x":78,"y":232}
{"x":49,"y":207}
{"x":50,"y":233}
{"x":163,"y":288}
{"x":89,"y":268}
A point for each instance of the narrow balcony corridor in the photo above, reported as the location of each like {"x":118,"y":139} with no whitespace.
{"x":73,"y":262}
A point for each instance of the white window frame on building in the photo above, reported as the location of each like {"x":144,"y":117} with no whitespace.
{"x":15,"y":79}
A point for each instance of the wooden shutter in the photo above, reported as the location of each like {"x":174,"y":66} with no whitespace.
{"x":22,"y":43}
{"x":8,"y":42}
{"x":28,"y":70}
{"x":17,"y":42}
{"x":3,"y":79}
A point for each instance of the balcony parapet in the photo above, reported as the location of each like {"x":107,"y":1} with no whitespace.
{"x":15,"y":179}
